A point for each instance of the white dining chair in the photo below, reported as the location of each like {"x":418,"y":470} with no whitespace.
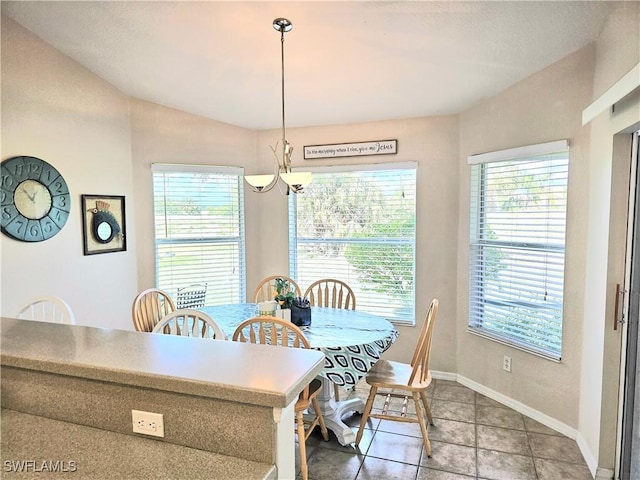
{"x":189,"y":323}
{"x":47,"y":308}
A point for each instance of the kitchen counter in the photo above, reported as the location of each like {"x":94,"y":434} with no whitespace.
{"x":228,"y":398}
{"x":195,"y":366}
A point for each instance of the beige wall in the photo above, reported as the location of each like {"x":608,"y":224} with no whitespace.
{"x":164,"y":135}
{"x":542,"y":108}
{"x":433,"y":144}
{"x":54,"y":109}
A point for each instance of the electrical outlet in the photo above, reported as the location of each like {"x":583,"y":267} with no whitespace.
{"x":506,"y":363}
{"x":147,"y":423}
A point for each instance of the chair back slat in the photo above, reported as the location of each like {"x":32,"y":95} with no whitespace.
{"x":420,"y":360}
{"x":330,"y":292}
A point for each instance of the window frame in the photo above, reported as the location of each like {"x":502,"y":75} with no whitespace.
{"x":294,"y":240}
{"x":479,"y":245}
{"x":239,"y":239}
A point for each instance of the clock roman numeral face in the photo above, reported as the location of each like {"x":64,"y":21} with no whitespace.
{"x":35,"y":199}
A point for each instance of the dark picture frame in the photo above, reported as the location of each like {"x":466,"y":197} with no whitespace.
{"x":103,"y":224}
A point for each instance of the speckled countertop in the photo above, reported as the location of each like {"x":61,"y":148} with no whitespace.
{"x":254,"y":374}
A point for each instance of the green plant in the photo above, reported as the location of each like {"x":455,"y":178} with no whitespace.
{"x":283,"y":293}
{"x":392,"y":272}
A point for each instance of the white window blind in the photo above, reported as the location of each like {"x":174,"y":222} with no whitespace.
{"x":199,"y":230}
{"x":517,"y":244}
{"x":357,"y":224}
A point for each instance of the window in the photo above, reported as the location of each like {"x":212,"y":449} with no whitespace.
{"x":518,"y":218}
{"x":358,"y":224}
{"x":199,"y":230}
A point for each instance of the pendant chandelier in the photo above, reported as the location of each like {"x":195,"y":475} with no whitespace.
{"x":294,"y":181}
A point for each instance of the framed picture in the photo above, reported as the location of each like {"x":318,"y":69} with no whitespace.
{"x":354,"y":149}
{"x":103,"y":224}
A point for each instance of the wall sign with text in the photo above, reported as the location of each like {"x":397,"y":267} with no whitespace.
{"x":380,"y":147}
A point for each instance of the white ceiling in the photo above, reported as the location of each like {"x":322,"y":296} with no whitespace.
{"x":345,"y":62}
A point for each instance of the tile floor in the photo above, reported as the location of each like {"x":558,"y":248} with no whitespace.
{"x":474,"y":437}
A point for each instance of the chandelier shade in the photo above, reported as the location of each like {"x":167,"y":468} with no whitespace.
{"x":259,"y":181}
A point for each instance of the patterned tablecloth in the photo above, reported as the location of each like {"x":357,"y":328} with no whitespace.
{"x":352,"y":341}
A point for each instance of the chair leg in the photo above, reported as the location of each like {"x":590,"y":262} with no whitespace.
{"x":425,"y":402}
{"x":302,"y":446}
{"x":336,"y":391}
{"x":323,"y":427}
{"x":365,"y":414}
{"x":423,"y":425}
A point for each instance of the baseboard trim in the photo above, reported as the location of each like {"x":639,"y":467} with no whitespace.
{"x":592,"y":463}
{"x":538,"y":416}
{"x":444,"y":376}
{"x":604,"y":474}
{"x":520,"y":407}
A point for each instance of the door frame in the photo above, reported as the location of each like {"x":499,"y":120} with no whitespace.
{"x":628,"y":416}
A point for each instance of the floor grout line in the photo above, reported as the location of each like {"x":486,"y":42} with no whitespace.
{"x":418,"y":470}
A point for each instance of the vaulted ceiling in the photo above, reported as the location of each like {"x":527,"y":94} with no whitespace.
{"x":345,"y":62}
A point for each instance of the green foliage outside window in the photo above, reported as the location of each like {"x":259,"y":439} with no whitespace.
{"x":392,"y":274}
{"x":359,"y":226}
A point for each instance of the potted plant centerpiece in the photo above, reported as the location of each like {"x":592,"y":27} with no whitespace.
{"x":283,"y":293}
{"x":296,"y":310}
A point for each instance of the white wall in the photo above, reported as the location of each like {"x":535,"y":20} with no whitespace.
{"x":54,"y":109}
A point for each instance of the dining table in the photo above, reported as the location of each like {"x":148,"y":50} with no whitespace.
{"x":352,"y":342}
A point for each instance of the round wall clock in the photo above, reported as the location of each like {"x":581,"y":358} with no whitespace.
{"x":35,"y":199}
